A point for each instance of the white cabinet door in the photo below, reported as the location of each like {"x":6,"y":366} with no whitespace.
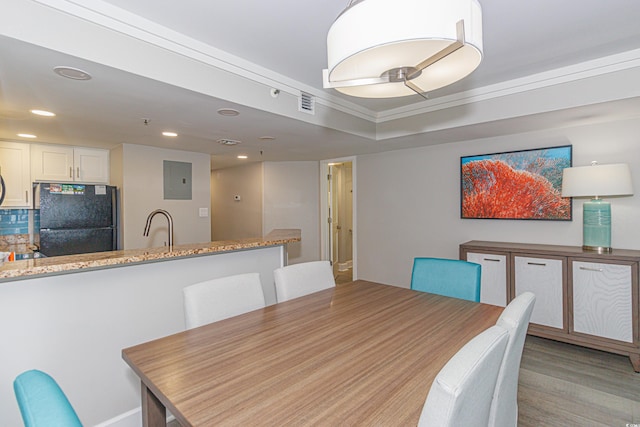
{"x":91,"y":165}
{"x":602,"y":300}
{"x":52,"y":163}
{"x":493,"y":285}
{"x":543,"y":277}
{"x":14,"y":168}
{"x":58,"y":163}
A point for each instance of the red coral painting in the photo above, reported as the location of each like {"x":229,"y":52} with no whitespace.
{"x":515,"y":185}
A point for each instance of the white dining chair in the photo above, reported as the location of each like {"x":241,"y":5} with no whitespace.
{"x":515,"y":319}
{"x":217,"y":299}
{"x":297,"y":280}
{"x":462,"y":391}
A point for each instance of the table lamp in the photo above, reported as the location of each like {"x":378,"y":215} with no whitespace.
{"x":595,"y":181}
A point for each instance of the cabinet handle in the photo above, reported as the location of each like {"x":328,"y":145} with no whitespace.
{"x":78,"y":172}
{"x":541,"y":264}
{"x":599,"y":270}
{"x":491,"y":259}
{"x":26,"y":196}
{"x":70,"y":172}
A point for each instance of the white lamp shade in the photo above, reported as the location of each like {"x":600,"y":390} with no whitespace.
{"x":375,"y":36}
{"x":597,"y":180}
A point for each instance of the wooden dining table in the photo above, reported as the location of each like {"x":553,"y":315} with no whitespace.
{"x":361,"y":353}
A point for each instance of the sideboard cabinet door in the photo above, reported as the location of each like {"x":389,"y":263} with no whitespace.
{"x":493,"y":285}
{"x":603,"y":300}
{"x":545,"y":278}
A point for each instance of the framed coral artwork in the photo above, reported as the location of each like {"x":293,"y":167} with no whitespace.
{"x":524,"y":184}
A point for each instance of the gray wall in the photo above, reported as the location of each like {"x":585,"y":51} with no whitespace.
{"x":408,"y":200}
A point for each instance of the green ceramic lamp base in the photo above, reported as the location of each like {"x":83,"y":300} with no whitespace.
{"x":596,"y":226}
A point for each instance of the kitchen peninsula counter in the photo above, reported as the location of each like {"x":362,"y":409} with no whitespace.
{"x":24,"y":269}
{"x":87,"y":308}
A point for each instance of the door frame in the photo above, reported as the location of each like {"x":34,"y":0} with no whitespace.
{"x":325,"y":247}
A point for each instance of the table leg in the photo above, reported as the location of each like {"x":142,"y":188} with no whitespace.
{"x":154,"y":414}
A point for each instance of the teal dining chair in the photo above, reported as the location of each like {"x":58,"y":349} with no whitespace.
{"x":42,"y":402}
{"x":447,"y":277}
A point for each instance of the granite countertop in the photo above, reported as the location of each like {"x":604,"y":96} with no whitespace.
{"x":72,"y":263}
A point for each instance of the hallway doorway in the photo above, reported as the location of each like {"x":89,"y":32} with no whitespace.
{"x":338,"y":218}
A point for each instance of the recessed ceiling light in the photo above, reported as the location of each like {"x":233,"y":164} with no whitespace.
{"x":225,"y":141}
{"x":72,"y":73}
{"x":242,"y":156}
{"x":171,"y":134}
{"x":26,"y":135}
{"x":43,"y":113}
{"x":229,"y":112}
{"x":267,"y":138}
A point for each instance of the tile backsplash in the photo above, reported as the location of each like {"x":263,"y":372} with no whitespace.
{"x":14,"y":221}
{"x":18,"y":226}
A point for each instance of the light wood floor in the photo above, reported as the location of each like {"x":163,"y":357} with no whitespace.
{"x":565,"y":386}
{"x":342,"y":276}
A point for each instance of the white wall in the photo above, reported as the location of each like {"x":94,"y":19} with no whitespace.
{"x":291,"y":200}
{"x":409,"y":200}
{"x":142,"y":192}
{"x":74,"y":326}
{"x":236,"y":219}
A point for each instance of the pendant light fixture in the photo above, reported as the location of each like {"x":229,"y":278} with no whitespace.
{"x":386,"y":49}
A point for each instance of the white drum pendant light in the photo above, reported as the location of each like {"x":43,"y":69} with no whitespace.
{"x":386,"y":49}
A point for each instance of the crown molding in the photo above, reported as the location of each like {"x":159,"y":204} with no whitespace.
{"x":115,"y":19}
{"x":597,"y":67}
{"x":107,"y":16}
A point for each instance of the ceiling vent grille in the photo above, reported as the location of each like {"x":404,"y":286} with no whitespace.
{"x":306,"y":103}
{"x":225,"y":141}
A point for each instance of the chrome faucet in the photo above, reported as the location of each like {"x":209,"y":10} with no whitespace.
{"x":169,"y":221}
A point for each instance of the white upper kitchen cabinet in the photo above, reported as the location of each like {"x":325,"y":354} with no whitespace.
{"x":14,"y":168}
{"x":58,"y":163}
{"x":91,"y":165}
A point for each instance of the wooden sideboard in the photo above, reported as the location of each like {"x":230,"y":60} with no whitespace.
{"x":583,"y":298}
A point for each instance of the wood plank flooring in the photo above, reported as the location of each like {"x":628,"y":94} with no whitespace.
{"x":565,"y":385}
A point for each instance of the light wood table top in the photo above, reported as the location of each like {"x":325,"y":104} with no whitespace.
{"x":359,"y":354}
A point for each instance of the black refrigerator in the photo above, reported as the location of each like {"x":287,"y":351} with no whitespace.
{"x":76,"y":218}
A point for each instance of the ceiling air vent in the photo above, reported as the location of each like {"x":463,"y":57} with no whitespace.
{"x":224,"y":141}
{"x":306,"y":103}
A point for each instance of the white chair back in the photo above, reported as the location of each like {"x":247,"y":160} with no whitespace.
{"x":515,"y":319}
{"x":297,"y":280}
{"x":217,"y":299}
{"x":462,"y":391}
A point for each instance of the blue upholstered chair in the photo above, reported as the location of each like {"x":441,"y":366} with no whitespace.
{"x":42,"y":402}
{"x":447,"y":277}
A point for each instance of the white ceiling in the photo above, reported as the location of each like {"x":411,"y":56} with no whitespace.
{"x":284,"y":41}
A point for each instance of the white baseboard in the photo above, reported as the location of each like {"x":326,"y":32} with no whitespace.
{"x":132,"y":418}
